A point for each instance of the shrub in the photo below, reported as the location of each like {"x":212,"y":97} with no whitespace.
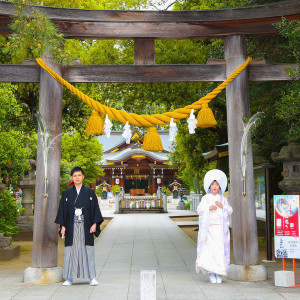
{"x":10,"y":210}
{"x":165,"y":189}
{"x":115,"y":189}
{"x":188,"y":205}
{"x":99,"y":191}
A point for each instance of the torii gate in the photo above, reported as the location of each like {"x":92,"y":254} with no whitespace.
{"x":233,"y":25}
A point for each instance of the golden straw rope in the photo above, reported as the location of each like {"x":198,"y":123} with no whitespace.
{"x":145,"y":120}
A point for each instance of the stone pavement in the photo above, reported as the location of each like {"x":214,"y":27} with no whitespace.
{"x":134,"y":242}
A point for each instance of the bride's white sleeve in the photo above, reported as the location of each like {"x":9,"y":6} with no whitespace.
{"x":202,"y":206}
{"x":227,"y":207}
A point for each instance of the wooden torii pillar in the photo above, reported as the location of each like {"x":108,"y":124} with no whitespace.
{"x":244,"y":229}
{"x":144,"y":27}
{"x":44,"y":251}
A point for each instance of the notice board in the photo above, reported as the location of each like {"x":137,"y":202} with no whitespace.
{"x":286,"y":226}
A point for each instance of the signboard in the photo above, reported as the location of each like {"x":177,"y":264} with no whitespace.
{"x":286,"y":226}
{"x":110,"y":196}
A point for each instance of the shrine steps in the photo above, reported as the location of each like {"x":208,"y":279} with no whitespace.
{"x":141,"y":210}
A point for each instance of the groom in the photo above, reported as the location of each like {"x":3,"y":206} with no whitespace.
{"x":79,"y":217}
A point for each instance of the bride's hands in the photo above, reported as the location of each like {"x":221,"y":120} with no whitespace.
{"x":219,"y":204}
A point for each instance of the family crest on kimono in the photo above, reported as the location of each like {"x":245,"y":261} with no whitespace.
{"x":213,"y":245}
{"x":79,"y":217}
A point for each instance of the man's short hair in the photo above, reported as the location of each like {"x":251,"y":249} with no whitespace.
{"x":76,"y":169}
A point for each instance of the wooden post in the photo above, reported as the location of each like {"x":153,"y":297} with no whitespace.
{"x":153,"y":184}
{"x":144,"y":52}
{"x":268,"y":215}
{"x":245,"y":245}
{"x":44,"y":251}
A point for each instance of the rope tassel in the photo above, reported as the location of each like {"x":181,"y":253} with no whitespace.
{"x":206,"y":117}
{"x":95,"y":124}
{"x":152,"y":141}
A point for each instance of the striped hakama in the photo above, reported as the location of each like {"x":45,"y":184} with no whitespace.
{"x":79,"y":258}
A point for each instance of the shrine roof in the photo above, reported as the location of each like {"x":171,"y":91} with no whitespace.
{"x":113,"y":141}
{"x":127,"y":153}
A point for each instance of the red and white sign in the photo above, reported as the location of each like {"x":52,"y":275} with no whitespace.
{"x":117,"y":180}
{"x":286,"y":226}
{"x":110,"y":197}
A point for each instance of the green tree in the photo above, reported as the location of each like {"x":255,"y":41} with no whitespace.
{"x":187,"y":155}
{"x":81,"y":150}
{"x":166,"y":190}
{"x":115,"y":189}
{"x":288,"y":108}
{"x":34,"y":35}
{"x":10,"y":210}
{"x":278,"y":100}
{"x":14,"y":146}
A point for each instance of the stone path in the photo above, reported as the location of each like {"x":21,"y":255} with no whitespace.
{"x":136,"y":242}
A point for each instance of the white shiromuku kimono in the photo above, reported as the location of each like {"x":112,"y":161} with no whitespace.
{"x":213,"y":246}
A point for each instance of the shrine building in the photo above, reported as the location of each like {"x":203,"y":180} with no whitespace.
{"x":138,"y":171}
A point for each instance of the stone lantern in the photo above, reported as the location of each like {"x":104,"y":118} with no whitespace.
{"x":176,"y":186}
{"x":290,"y":157}
{"x":105,"y":187}
{"x":25,"y":222}
{"x":27,"y":184}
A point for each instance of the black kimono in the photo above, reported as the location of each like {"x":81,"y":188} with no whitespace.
{"x":87,"y":200}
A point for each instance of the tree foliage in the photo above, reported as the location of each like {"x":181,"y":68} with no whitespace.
{"x":80,"y":149}
{"x":278,"y":100}
{"x":34,"y":35}
{"x":115,"y":188}
{"x":288,"y":108}
{"x":10,"y":210}
{"x":15,"y":145}
{"x":187,"y":154}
